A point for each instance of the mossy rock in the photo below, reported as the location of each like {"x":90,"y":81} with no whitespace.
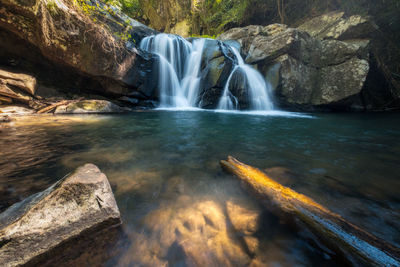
{"x":90,"y":106}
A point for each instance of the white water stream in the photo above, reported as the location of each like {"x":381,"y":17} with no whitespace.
{"x":179,"y":75}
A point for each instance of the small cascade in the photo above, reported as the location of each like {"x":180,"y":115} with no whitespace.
{"x":259,"y":91}
{"x":179,"y":68}
{"x":191,"y":79}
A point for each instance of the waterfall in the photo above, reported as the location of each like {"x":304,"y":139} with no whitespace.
{"x":179,"y":75}
{"x":179,"y":68}
{"x":259,"y":91}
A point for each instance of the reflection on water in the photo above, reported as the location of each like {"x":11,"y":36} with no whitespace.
{"x":180,"y":209}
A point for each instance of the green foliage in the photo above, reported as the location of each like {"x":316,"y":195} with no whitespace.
{"x":214,"y":17}
{"x":204,"y":36}
{"x":131,"y":7}
{"x":52,"y":8}
{"x":97,"y":12}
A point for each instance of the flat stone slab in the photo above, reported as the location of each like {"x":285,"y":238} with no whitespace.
{"x":90,"y":106}
{"x":81,"y":204}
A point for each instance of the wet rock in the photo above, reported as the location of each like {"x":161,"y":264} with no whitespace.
{"x":217,"y":63}
{"x":90,"y":106}
{"x":244,"y":217}
{"x":323,"y":64}
{"x":311,"y":72}
{"x":79,"y":205}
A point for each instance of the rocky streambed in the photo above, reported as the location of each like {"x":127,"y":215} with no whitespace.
{"x":179,"y":207}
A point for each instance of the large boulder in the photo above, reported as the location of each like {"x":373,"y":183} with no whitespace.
{"x":216,"y":65}
{"x":335,"y":25}
{"x":307,"y":71}
{"x":33,"y":230}
{"x":246,"y":35}
{"x":89,"y":37}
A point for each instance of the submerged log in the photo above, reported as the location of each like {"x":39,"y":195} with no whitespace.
{"x":43,"y":226}
{"x":357,"y":245}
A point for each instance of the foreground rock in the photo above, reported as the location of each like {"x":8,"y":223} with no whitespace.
{"x":323,"y":64}
{"x":79,"y":205}
{"x":358,"y":246}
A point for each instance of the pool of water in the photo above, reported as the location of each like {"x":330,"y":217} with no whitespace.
{"x":180,"y":209}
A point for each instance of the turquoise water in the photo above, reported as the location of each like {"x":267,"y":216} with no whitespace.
{"x":180,"y":209}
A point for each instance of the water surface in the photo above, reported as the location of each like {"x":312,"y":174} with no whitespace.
{"x":177,"y":205}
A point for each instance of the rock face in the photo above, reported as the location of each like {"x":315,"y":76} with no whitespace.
{"x":16,"y":87}
{"x":71,"y":36}
{"x":89,"y":106}
{"x":246,"y":35}
{"x":334,"y":25}
{"x":216,"y":66}
{"x":311,"y":67}
{"x":78,"y":205}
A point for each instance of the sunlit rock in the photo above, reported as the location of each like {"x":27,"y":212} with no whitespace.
{"x":90,"y":106}
{"x":80,"y":204}
{"x":335,"y":25}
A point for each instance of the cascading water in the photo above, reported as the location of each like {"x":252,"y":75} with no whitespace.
{"x":179,"y":75}
{"x":259,"y":90}
{"x":179,"y":68}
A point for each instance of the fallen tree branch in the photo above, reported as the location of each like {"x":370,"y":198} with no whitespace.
{"x":354,"y":243}
{"x":53,"y":106}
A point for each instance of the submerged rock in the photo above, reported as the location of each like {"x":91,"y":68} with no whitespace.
{"x":356,"y":245}
{"x":77,"y":206}
{"x":90,"y":106}
{"x":186,"y":234}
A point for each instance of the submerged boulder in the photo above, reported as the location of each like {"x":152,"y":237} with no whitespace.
{"x":79,"y":205}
